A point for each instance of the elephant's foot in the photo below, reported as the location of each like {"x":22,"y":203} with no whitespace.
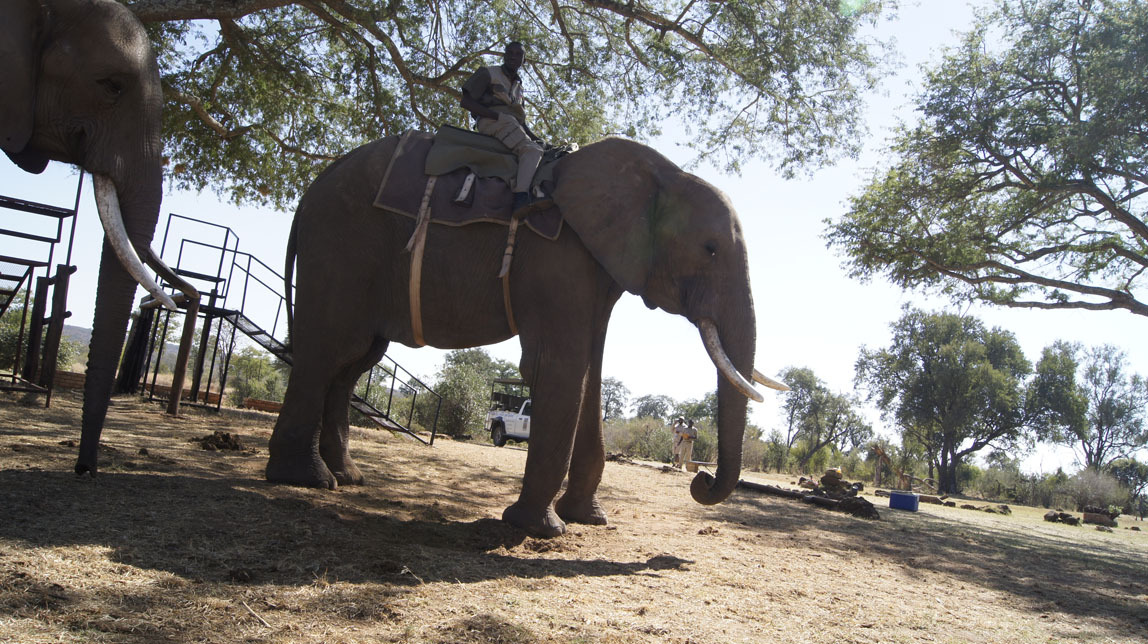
{"x":307,"y":470}
{"x":543,"y":523}
{"x":587,"y":511}
{"x":345,"y":470}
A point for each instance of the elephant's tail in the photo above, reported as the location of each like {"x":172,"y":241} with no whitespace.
{"x":289,"y":279}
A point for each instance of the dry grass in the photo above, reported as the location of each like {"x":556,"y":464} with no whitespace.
{"x":179,"y":544}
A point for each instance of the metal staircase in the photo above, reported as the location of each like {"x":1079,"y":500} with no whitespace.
{"x":30,"y":247}
{"x":241,"y":291}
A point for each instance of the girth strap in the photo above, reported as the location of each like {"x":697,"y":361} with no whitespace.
{"x":416,"y":247}
{"x":504,"y":274}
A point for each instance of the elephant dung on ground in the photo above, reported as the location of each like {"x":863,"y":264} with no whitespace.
{"x":79,"y":84}
{"x":636,"y":222}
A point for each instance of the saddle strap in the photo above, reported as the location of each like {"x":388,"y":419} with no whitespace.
{"x":504,"y":274}
{"x":506,"y":304}
{"x":415,"y":247}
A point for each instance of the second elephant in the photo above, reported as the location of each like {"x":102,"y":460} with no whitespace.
{"x":636,"y":222}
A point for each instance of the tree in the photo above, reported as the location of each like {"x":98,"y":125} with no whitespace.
{"x":1024,"y":183}
{"x":950,"y":385}
{"x":253,"y":374}
{"x":704,"y":409}
{"x":261,"y":94}
{"x":1133,"y":475}
{"x":464,"y":384}
{"x":614,"y":398}
{"x":818,"y":417}
{"x":489,"y":367}
{"x":1090,"y":401}
{"x":653,"y":406}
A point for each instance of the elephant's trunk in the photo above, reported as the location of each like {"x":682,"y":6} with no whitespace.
{"x":732,"y":351}
{"x":140,"y":200}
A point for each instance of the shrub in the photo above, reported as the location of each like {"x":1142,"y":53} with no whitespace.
{"x":252,"y":374}
{"x":645,"y":438}
{"x":817,"y":462}
{"x":753,"y":453}
{"x":1092,"y":488}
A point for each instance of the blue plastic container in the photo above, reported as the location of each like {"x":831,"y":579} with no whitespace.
{"x":903,"y":501}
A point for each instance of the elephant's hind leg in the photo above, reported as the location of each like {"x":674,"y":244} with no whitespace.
{"x":294,"y":445}
{"x":334,"y":438}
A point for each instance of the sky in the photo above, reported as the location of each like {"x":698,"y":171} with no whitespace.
{"x":809,"y":313}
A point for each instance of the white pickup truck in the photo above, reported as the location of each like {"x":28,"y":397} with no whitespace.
{"x":509,"y":424}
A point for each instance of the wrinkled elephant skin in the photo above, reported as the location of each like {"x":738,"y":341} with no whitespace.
{"x":635,"y":222}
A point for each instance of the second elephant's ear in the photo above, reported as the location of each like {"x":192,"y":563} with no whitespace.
{"x":20,"y":32}
{"x":608,"y":193}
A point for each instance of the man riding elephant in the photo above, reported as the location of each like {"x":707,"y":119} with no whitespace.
{"x":493,"y":96}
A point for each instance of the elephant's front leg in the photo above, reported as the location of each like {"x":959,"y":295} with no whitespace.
{"x":579,"y":504}
{"x":557,"y":399}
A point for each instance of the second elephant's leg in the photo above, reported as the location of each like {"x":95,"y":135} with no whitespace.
{"x":294,"y":445}
{"x":334,"y":438}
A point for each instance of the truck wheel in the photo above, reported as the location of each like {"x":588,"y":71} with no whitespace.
{"x":498,"y":435}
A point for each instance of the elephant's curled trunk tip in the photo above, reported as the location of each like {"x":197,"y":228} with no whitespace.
{"x":706,"y":490}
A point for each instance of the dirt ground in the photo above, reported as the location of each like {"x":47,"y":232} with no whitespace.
{"x":175,"y":543}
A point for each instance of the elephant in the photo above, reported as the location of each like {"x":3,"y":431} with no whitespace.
{"x":634,"y":222}
{"x":80,"y":85}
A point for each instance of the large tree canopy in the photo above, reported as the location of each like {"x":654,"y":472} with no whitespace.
{"x":262,"y":93}
{"x":1025,"y":183}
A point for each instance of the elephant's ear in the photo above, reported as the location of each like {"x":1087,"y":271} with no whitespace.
{"x":19,"y":39}
{"x":608,"y":193}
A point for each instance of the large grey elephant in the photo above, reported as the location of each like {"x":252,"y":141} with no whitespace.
{"x":79,"y":84}
{"x":636,"y":222}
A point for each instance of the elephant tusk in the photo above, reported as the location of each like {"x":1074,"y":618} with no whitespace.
{"x":759,"y":377}
{"x":722,"y":362}
{"x":108,"y":205}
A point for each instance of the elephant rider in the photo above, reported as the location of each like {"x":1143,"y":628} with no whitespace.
{"x":493,"y":96}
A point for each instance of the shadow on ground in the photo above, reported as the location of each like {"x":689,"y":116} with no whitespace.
{"x":1038,"y":569}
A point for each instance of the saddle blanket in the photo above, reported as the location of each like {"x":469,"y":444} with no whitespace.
{"x":404,"y":183}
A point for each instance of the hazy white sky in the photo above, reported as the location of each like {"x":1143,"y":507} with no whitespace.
{"x":808,"y":312}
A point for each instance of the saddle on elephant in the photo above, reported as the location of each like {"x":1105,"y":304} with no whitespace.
{"x":464,"y":178}
{"x":458,"y":177}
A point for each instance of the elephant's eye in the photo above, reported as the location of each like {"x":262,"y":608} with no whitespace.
{"x":113,"y":88}
{"x":711,"y":248}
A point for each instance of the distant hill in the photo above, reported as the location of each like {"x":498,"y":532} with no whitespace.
{"x":78,"y":334}
{"x":83,"y":336}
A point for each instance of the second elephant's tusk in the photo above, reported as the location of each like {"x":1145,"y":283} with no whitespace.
{"x":763,"y":379}
{"x":108,"y":205}
{"x":722,"y":362}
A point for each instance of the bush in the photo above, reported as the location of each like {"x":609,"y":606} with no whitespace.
{"x":252,"y":374}
{"x":853,"y":465}
{"x":817,"y":462}
{"x":754,"y":454}
{"x":69,"y":351}
{"x":776,"y":453}
{"x":1092,"y":488}
{"x":645,"y":438}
